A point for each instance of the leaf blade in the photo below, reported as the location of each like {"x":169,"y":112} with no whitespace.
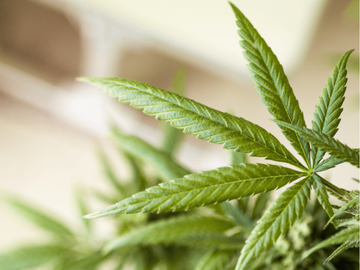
{"x":271,"y":82}
{"x":326,"y":143}
{"x":205,"y":188}
{"x":328,"y":110}
{"x":197,"y":119}
{"x":276,"y":221}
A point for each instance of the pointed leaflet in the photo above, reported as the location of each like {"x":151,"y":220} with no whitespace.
{"x":348,"y":234}
{"x":39,"y":218}
{"x":29,"y":257}
{"x":162,"y":163}
{"x":347,"y":245}
{"x":326,"y":143}
{"x":276,"y":221}
{"x":215,"y":259}
{"x":323,"y":198}
{"x":204,"y":188}
{"x":188,"y":230}
{"x":351,"y":204}
{"x":197,"y":119}
{"x":239,"y":218}
{"x":327,"y":164}
{"x":328,"y":110}
{"x":271,"y":82}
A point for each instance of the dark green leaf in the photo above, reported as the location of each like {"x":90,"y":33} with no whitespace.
{"x":209,"y":187}
{"x":260,"y":205}
{"x":328,"y":163}
{"x":328,"y":110}
{"x":194,"y":118}
{"x":347,"y":245}
{"x":271,"y":82}
{"x":237,"y":216}
{"x":281,"y":215}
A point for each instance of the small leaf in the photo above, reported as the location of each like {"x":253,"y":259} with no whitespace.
{"x":328,"y":110}
{"x":39,"y":218}
{"x":205,"y":188}
{"x":348,"y":205}
{"x":347,"y":245}
{"x":323,"y":198}
{"x":349,"y":234}
{"x":260,"y":205}
{"x":271,"y":82}
{"x":110,"y":172}
{"x":161,"y":162}
{"x":237,"y":216}
{"x":194,"y":118}
{"x":326,"y":143}
{"x":29,"y":257}
{"x":328,"y":163}
{"x":215,"y":259}
{"x":281,"y":215}
{"x":193,"y":231}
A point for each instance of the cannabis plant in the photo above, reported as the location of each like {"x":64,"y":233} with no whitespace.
{"x":240,"y":181}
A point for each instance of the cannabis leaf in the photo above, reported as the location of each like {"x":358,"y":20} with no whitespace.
{"x":326,"y":143}
{"x":194,"y":118}
{"x":189,"y":230}
{"x":205,"y":188}
{"x":164,"y":165}
{"x":327,"y":112}
{"x":276,"y":221}
{"x":215,"y":259}
{"x":271,"y":82}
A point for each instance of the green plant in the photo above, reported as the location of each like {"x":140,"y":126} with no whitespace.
{"x":236,"y":133}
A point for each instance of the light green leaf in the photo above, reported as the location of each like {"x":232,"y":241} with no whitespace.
{"x":237,"y":216}
{"x":161,"y":162}
{"x":328,"y":110}
{"x":39,"y":218}
{"x":209,"y":187}
{"x":188,"y":230}
{"x":347,"y":245}
{"x":348,"y":205}
{"x":349,"y":234}
{"x":172,"y":136}
{"x":194,"y":118}
{"x":138,"y":176}
{"x":29,"y":257}
{"x":326,"y":143}
{"x":110,"y":172}
{"x":271,"y":82}
{"x":238,"y":158}
{"x":323,"y":198}
{"x":215,"y":259}
{"x":281,"y":215}
{"x":328,"y":163}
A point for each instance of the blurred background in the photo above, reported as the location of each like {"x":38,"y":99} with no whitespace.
{"x":51,"y":124}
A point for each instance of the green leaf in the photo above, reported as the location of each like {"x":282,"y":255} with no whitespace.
{"x":348,"y":234}
{"x":323,"y":198}
{"x":29,"y":257}
{"x":215,"y":259}
{"x":82,"y":207}
{"x":172,"y":136}
{"x":88,"y":262}
{"x":353,"y":203}
{"x":281,"y":215}
{"x":237,"y":216}
{"x":193,"y":231}
{"x":328,"y":163}
{"x":194,"y":118}
{"x":110,"y":172}
{"x":326,"y":143}
{"x":161,"y":162}
{"x":209,"y":187}
{"x":328,"y":110}
{"x":347,"y":245}
{"x":271,"y":82}
{"x":238,"y":158}
{"x":137,"y":175}
{"x":260,"y":205}
{"x":39,"y":218}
